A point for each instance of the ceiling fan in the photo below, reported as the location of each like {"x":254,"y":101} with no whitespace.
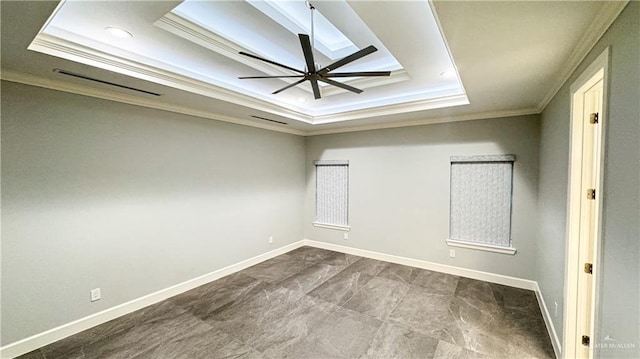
{"x":313,"y":73}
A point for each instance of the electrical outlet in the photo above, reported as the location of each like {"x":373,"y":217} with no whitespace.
{"x":452,"y":253}
{"x":270,"y":239}
{"x":346,"y":235}
{"x":556,"y":308}
{"x":95,"y":294}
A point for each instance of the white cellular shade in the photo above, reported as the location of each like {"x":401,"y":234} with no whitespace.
{"x":481,"y":188}
{"x":332,"y":192}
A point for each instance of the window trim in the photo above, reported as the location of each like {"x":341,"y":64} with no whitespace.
{"x":511,"y":250}
{"x":482,"y":247}
{"x":334,"y":226}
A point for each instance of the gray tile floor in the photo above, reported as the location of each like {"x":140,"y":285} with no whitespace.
{"x":314,"y":303}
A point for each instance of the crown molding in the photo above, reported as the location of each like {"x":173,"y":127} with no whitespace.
{"x":608,"y":13}
{"x":393,"y":109}
{"x":65,"y":49}
{"x":158,"y":104}
{"x":429,"y":121}
{"x":200,"y":35}
{"x":68,"y":50}
{"x":64,"y":86}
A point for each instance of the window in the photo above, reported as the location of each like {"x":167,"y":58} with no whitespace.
{"x":481,"y":191}
{"x":332,"y":194}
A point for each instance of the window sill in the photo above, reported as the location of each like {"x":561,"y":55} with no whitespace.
{"x":482,"y":247}
{"x":332,"y":226}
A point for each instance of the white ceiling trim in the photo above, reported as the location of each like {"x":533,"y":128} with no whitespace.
{"x":195,"y":33}
{"x":54,"y":46}
{"x":607,"y":15}
{"x":420,"y":105}
{"x":32,"y":80}
{"x":151,"y":70}
{"x":429,"y":121}
{"x":83,"y":90}
{"x":71,"y":51}
{"x":188,"y":30}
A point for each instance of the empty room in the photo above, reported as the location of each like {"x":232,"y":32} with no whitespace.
{"x":320,"y":179}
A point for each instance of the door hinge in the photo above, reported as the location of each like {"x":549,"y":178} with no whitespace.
{"x":586,"y":340}
{"x":591,"y":193}
{"x":593,"y":118}
{"x":588,"y":268}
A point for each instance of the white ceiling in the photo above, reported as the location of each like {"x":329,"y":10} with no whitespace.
{"x":511,"y":57}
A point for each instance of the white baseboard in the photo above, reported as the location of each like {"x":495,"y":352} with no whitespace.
{"x":555,"y":341}
{"x":443,"y":268}
{"x":39,"y":340}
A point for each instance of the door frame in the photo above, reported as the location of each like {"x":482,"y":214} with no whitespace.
{"x":598,"y":70}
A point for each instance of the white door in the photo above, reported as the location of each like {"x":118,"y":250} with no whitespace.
{"x":584,"y":215}
{"x":590,"y":173}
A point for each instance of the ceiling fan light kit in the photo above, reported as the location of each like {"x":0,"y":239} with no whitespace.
{"x":324,"y":74}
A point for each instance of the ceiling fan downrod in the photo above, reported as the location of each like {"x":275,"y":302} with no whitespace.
{"x":313,"y":37}
{"x":313,"y":72}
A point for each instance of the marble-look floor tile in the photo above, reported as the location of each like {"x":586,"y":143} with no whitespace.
{"x":263,"y":312}
{"x":310,"y":277}
{"x":36,"y":354}
{"x":482,"y":326}
{"x":345,"y":334}
{"x":272,"y":319}
{"x":450,"y":351}
{"x":437,"y":283}
{"x":479,"y":292}
{"x":523,"y":320}
{"x":527,"y":333}
{"x":247,"y":319}
{"x":519,"y":298}
{"x":378,"y":297}
{"x":301,"y":320}
{"x":276,"y":269}
{"x":310,"y":255}
{"x":151,"y":333}
{"x":528,"y":346}
{"x":341,"y":259}
{"x":72,"y":347}
{"x":205,"y":299}
{"x":400,"y":273}
{"x":200,"y":343}
{"x":394,"y":342}
{"x":428,"y":314}
{"x":341,"y":287}
{"x":368,"y":266}
{"x":237,"y":350}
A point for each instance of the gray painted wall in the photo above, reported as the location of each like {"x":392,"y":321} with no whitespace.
{"x":618,"y":314}
{"x":131,"y":200}
{"x":399,"y":189}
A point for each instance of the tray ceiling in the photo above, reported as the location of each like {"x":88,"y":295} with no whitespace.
{"x":196,"y":42}
{"x":450,"y":60}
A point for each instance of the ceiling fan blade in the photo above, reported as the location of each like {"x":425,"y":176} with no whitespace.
{"x":353,"y":57}
{"x":270,"y":62}
{"x":268,"y":77}
{"x":289,"y":86}
{"x":341,"y":85}
{"x":308,"y":52}
{"x":357,"y":74}
{"x":315,"y":87}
